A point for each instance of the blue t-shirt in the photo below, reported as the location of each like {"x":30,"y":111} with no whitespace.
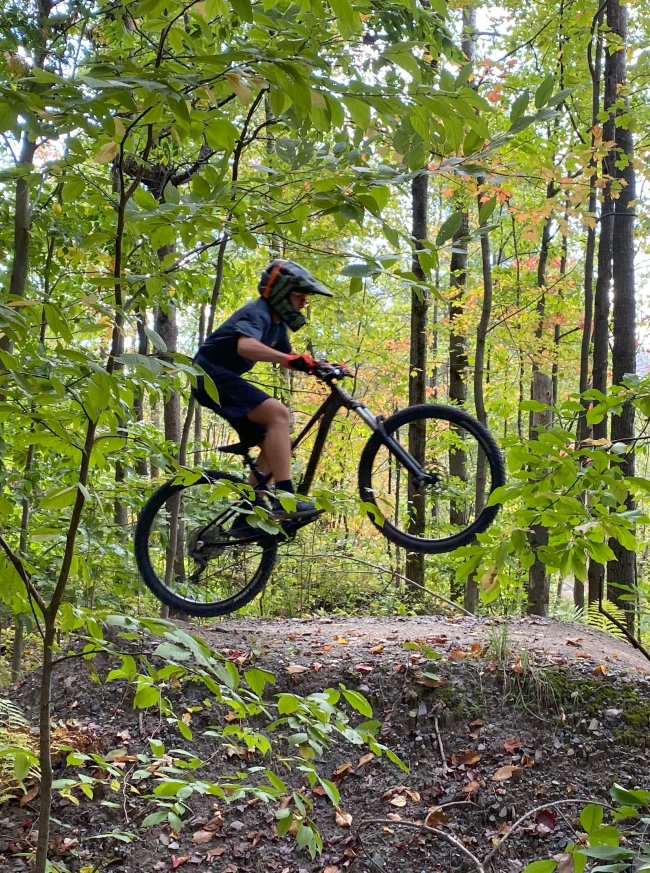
{"x":255,"y":320}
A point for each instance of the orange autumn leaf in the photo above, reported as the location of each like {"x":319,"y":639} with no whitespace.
{"x":508,"y":771}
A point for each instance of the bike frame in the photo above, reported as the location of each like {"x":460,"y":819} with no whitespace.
{"x":324,"y":416}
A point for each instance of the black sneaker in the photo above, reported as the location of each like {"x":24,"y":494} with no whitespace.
{"x":304,"y":512}
{"x":302,"y":509}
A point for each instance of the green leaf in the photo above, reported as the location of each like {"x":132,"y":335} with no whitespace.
{"x":544,"y":91}
{"x":520,"y":105}
{"x":170,"y":652}
{"x":358,"y":270}
{"x":331,"y":791}
{"x":184,"y":729}
{"x":258,"y":679}
{"x":275,"y":781}
{"x":533,"y":406}
{"x":244,"y":9}
{"x":146,"y":696}
{"x":287,"y":703}
{"x":486,"y":209}
{"x":357,"y":701}
{"x":347,"y":20}
{"x":449,"y":228}
{"x":359,"y":112}
{"x":59,"y":498}
{"x":540,"y":867}
{"x":169,"y":787}
{"x":637,"y":797}
{"x":22,"y":763}
{"x":591,"y":817}
{"x":155,"y":339}
{"x":154,"y":818}
{"x":608,"y":853}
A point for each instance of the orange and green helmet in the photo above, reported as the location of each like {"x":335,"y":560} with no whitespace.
{"x":279,"y":280}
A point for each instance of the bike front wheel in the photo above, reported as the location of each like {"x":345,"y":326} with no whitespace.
{"x":455,"y":451}
{"x":184,"y":552}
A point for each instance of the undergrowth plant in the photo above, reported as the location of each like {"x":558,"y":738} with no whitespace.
{"x":286,"y":732}
{"x":612,"y":837}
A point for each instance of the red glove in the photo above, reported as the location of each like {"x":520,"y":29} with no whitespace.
{"x":302,"y":363}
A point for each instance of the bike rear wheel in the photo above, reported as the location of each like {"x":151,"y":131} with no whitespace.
{"x":184,"y":553}
{"x":440,"y":516}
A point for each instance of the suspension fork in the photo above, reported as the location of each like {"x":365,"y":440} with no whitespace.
{"x":376,"y":424}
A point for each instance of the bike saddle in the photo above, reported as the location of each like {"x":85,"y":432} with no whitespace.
{"x":234,"y":449}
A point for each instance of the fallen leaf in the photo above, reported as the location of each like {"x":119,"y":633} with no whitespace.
{"x":471,"y":787}
{"x":582,"y":655}
{"x":343,"y":819}
{"x":216,"y":852}
{"x":508,"y":771}
{"x":316,"y":666}
{"x":342,"y":641}
{"x":512,"y":744}
{"x":575,"y":642}
{"x":28,"y":796}
{"x":332,"y":869}
{"x":457,"y":655}
{"x":179,"y":861}
{"x":365,"y":759}
{"x":342,"y":771}
{"x":565,"y":863}
{"x":297,"y":668}
{"x":363,"y":668}
{"x":201,"y":837}
{"x":393,"y":816}
{"x":215,"y":823}
{"x":435,"y":817}
{"x":466,"y":756}
{"x":377,"y":649}
{"x":600,"y":670}
{"x":429,"y":680}
{"x":399,"y":800}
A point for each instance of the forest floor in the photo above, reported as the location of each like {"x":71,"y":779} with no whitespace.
{"x":494,"y":718}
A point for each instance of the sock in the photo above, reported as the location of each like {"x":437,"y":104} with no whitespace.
{"x":285,"y":485}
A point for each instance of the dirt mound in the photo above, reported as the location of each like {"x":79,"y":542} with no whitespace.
{"x":552,"y":641}
{"x":495,"y":720}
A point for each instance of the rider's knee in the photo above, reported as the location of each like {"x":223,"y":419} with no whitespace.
{"x":276,"y":413}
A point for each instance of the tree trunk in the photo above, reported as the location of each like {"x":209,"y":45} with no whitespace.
{"x":541,"y":390}
{"x":588,"y":339}
{"x":621,"y":572}
{"x":417,"y":377}
{"x":138,"y":403}
{"x":458,"y":373}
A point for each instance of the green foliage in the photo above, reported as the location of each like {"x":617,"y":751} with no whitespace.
{"x":18,"y":751}
{"x":620,"y":843}
{"x":287,"y":728}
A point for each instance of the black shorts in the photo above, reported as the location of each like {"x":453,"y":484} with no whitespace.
{"x":237,"y":398}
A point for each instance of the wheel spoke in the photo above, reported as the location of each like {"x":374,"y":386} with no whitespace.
{"x":184,"y":552}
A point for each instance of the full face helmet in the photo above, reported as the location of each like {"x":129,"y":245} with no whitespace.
{"x":277,"y":282}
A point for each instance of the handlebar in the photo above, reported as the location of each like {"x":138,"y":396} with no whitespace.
{"x":327,"y":372}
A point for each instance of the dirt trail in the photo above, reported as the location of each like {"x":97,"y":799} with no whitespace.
{"x":549,"y":639}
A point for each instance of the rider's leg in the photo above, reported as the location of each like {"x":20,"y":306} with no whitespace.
{"x":275,"y":456}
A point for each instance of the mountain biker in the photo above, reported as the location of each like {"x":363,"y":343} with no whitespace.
{"x":259,"y":332}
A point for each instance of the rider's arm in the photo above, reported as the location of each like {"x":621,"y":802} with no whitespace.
{"x":254,"y":350}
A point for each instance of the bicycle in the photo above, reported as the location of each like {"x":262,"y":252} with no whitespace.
{"x":188,"y":560}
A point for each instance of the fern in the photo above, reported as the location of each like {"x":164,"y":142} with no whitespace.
{"x":18,"y":751}
{"x":595,"y":618}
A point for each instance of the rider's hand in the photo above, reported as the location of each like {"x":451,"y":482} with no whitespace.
{"x":302,"y":363}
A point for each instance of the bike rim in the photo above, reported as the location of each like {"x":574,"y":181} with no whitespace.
{"x":446,"y":508}
{"x":191,"y":554}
